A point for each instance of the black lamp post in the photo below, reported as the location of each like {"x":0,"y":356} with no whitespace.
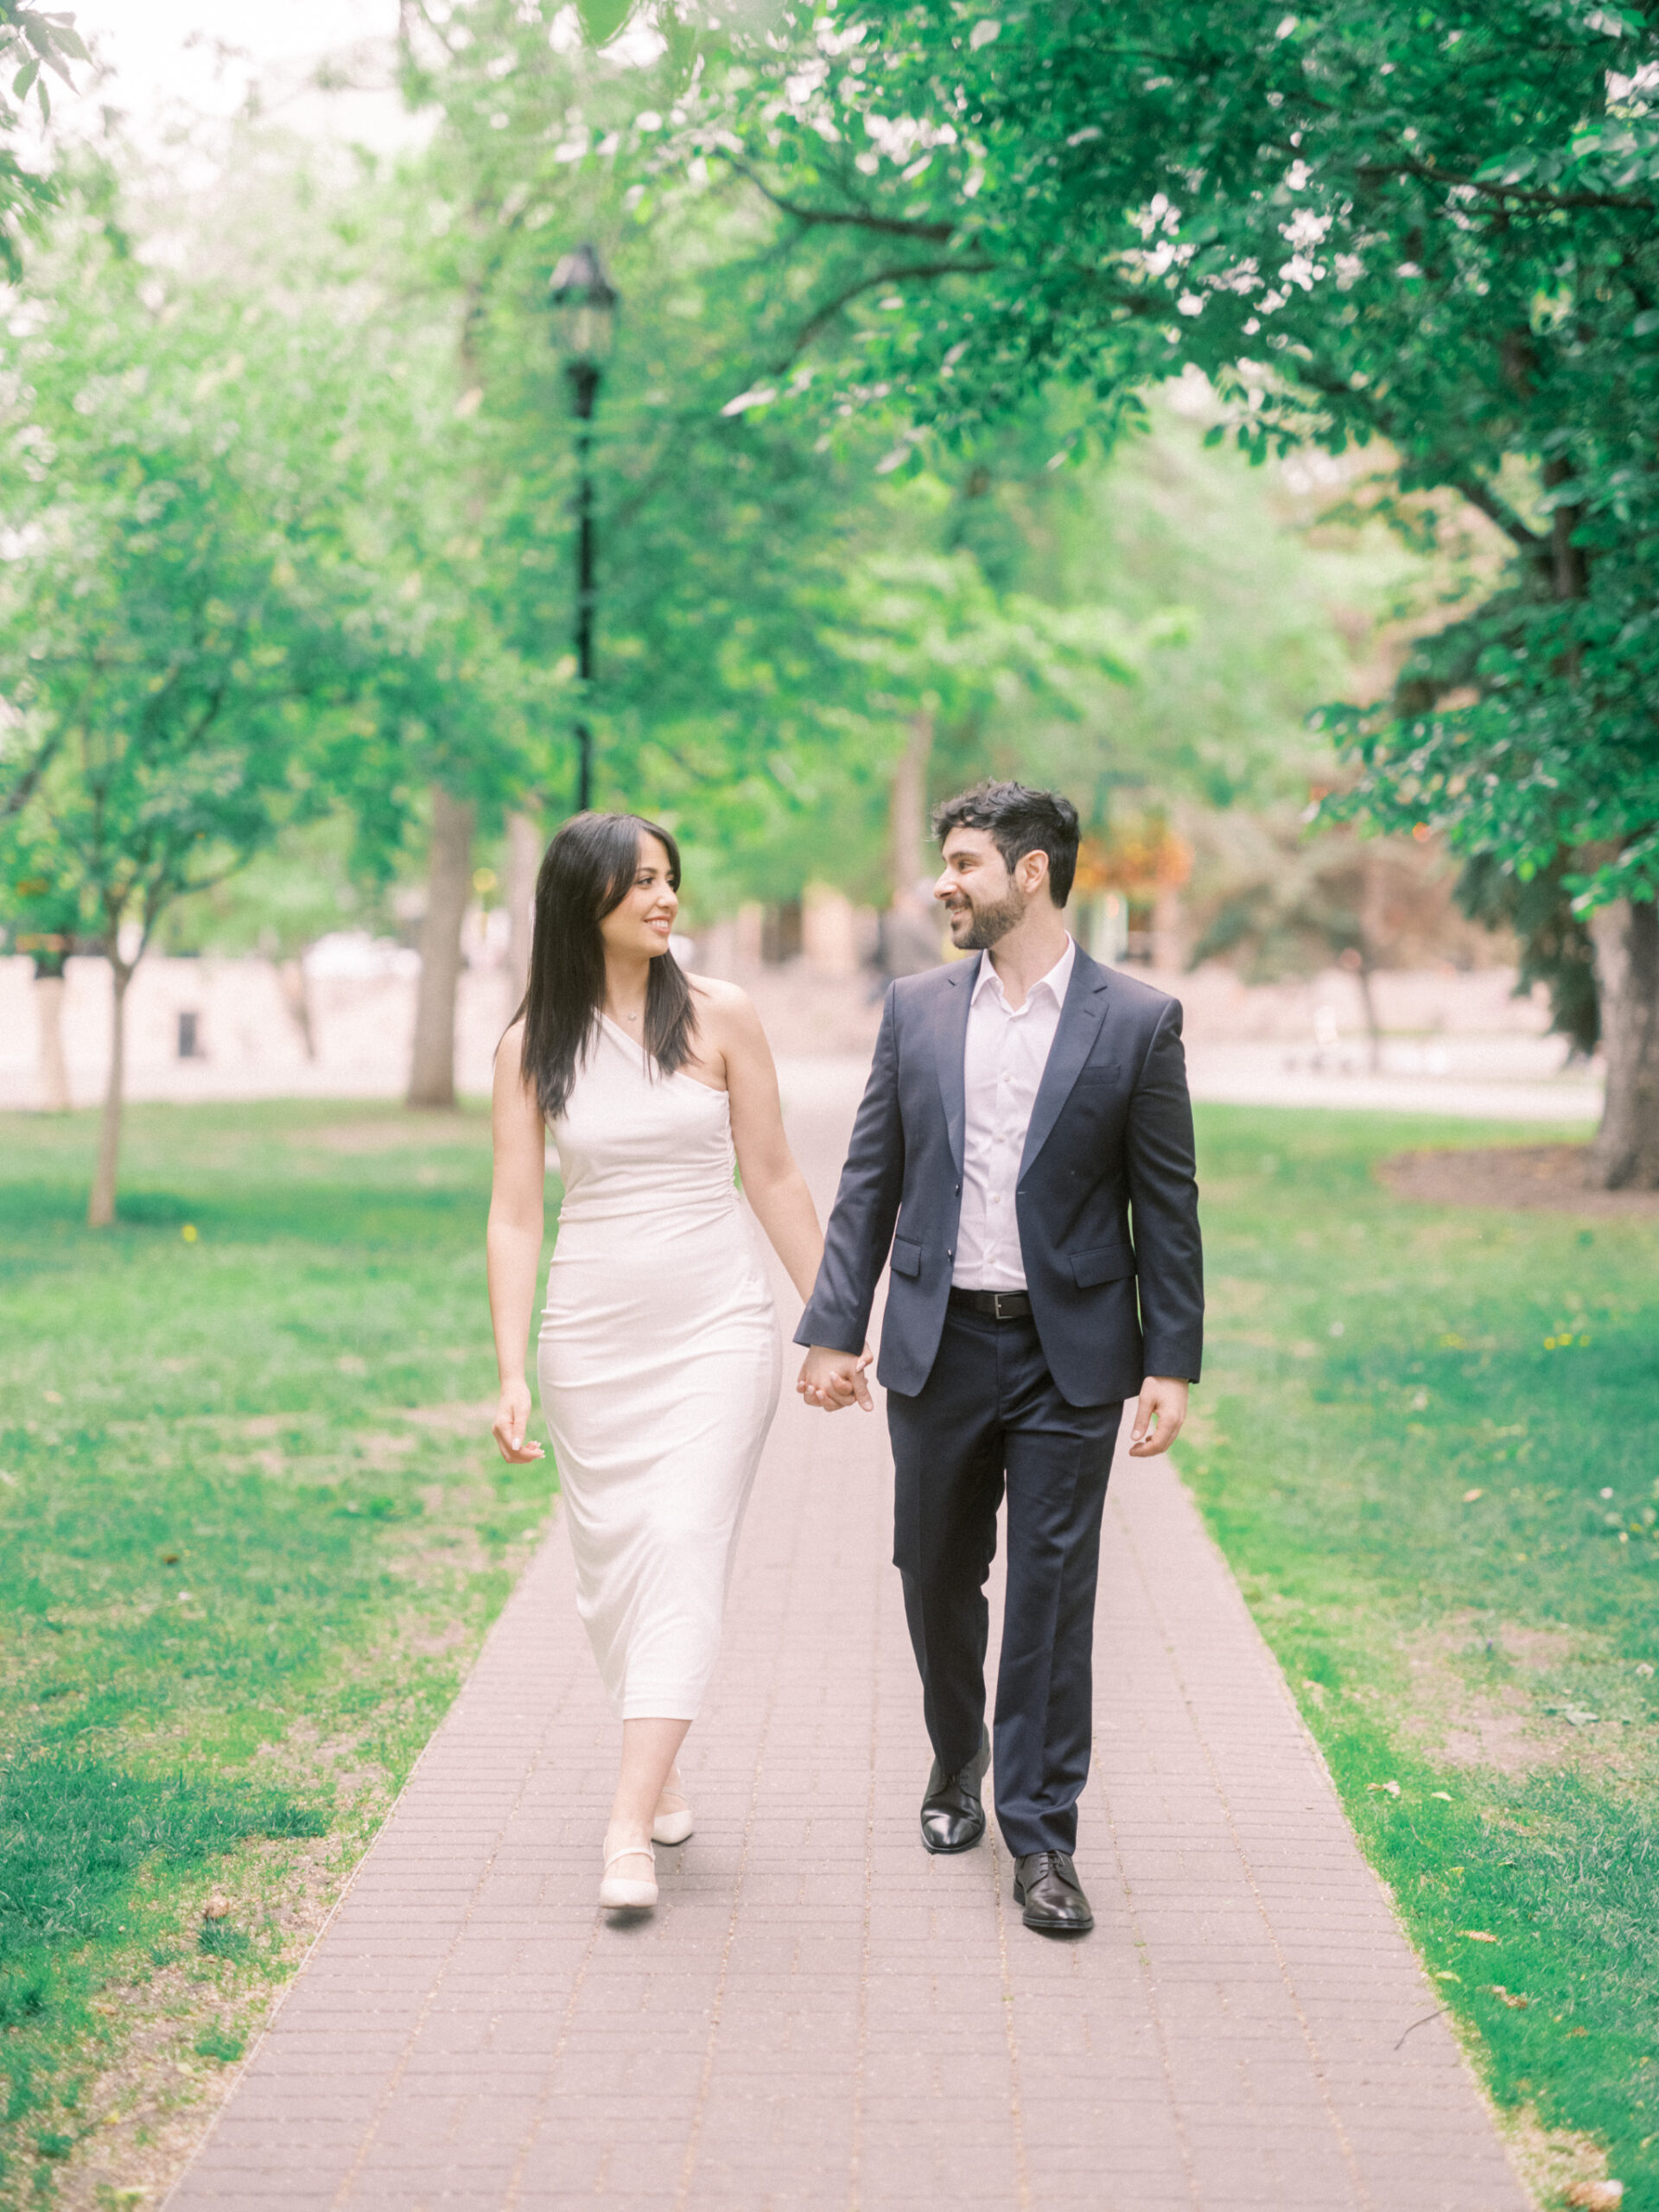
{"x":584,"y":319}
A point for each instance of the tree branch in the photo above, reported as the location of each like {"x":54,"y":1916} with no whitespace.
{"x":1527,"y":196}
{"x":1500,"y":512}
{"x":827,"y":314}
{"x":857,"y":219}
{"x":24,"y":789}
{"x":1469,"y":487}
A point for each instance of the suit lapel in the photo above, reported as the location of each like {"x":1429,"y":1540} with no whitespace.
{"x":1080,"y":1020}
{"x":952,"y":1049}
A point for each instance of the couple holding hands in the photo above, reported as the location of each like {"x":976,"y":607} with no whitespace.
{"x":1025,"y":1109}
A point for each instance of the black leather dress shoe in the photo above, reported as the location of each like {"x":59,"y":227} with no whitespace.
{"x":953,"y":1818}
{"x":1046,"y":1884}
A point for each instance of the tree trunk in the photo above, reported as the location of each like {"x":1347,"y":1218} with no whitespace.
{"x":54,"y":1073}
{"x":448,"y":885}
{"x":1368,"y":1001}
{"x":101,"y":1207}
{"x":907,"y":808}
{"x":1625,"y":1155}
{"x":524,"y":863}
{"x":296,"y":988}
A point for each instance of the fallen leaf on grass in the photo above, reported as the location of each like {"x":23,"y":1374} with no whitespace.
{"x":1470,"y":1496}
{"x":1476,"y":1936}
{"x":217,"y":1907}
{"x":1392,"y":1787}
{"x":1507,"y":1997}
{"x":1597,"y":2195}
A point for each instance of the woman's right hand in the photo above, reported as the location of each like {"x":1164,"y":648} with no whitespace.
{"x":510,"y":1424}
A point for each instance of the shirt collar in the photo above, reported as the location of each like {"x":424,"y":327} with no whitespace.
{"x":1056,"y":982}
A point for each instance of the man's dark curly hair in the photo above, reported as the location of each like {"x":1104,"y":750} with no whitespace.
{"x":1018,"y":821}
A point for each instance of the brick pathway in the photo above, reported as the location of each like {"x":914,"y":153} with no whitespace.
{"x":820,"y":2015}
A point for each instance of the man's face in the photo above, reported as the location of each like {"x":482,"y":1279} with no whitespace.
{"x":981,"y":901}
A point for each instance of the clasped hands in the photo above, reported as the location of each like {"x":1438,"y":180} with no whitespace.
{"x":833,"y":1379}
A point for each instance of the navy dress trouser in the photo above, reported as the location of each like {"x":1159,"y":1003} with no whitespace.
{"x":988,"y":1418}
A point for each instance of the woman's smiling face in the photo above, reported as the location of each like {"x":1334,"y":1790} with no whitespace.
{"x":643,"y":920}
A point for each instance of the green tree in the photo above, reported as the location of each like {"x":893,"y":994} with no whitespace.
{"x":754,"y":681}
{"x":1430,"y":228}
{"x":171,"y":611}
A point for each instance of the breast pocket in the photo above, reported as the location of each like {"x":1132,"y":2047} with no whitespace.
{"x":906,"y":1257}
{"x":1094,"y":1080}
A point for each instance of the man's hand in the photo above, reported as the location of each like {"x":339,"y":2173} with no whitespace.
{"x":1159,"y":1416}
{"x":834,"y":1379}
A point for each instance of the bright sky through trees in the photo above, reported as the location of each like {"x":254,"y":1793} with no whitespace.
{"x":202,"y":55}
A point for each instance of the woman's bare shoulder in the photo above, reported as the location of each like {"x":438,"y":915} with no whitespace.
{"x":729,"y":1017}
{"x":714,"y":997}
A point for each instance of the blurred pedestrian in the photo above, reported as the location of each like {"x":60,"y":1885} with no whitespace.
{"x":910,"y":937}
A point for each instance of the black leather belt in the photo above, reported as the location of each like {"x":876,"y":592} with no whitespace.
{"x":1001,"y":1304}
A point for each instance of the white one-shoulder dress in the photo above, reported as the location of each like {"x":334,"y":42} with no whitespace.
{"x":659,"y":1365}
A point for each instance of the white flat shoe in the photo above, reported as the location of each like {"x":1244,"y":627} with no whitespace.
{"x":671,"y":1823}
{"x":617,"y":1893}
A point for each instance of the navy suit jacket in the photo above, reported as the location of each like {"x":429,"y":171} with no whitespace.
{"x":1110,"y":1142}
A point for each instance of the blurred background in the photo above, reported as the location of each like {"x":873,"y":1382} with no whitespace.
{"x":400,"y":297}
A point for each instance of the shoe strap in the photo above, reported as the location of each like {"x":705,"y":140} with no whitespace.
{"x":633,"y":1850}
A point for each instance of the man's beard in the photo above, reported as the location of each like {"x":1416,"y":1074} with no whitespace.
{"x":993,"y":921}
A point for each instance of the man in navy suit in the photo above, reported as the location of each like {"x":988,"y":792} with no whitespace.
{"x":1024,"y":1154}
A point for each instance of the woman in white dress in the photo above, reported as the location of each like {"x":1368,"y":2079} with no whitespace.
{"x":659,"y":1356}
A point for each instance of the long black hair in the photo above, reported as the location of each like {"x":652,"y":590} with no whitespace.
{"x":586,"y":873}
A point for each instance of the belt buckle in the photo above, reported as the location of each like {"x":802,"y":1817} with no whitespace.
{"x":996,"y":1306}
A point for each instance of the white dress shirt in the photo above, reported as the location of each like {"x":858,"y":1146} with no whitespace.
{"x":1006,"y":1052}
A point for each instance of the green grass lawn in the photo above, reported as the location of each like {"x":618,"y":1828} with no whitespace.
{"x":1428,"y":1442}
{"x":239,"y":1584}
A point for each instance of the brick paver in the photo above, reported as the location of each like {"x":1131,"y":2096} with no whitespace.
{"x":819,"y":2014}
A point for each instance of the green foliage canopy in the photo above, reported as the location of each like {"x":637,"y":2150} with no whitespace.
{"x":752,"y":682}
{"x":1430,"y":226}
